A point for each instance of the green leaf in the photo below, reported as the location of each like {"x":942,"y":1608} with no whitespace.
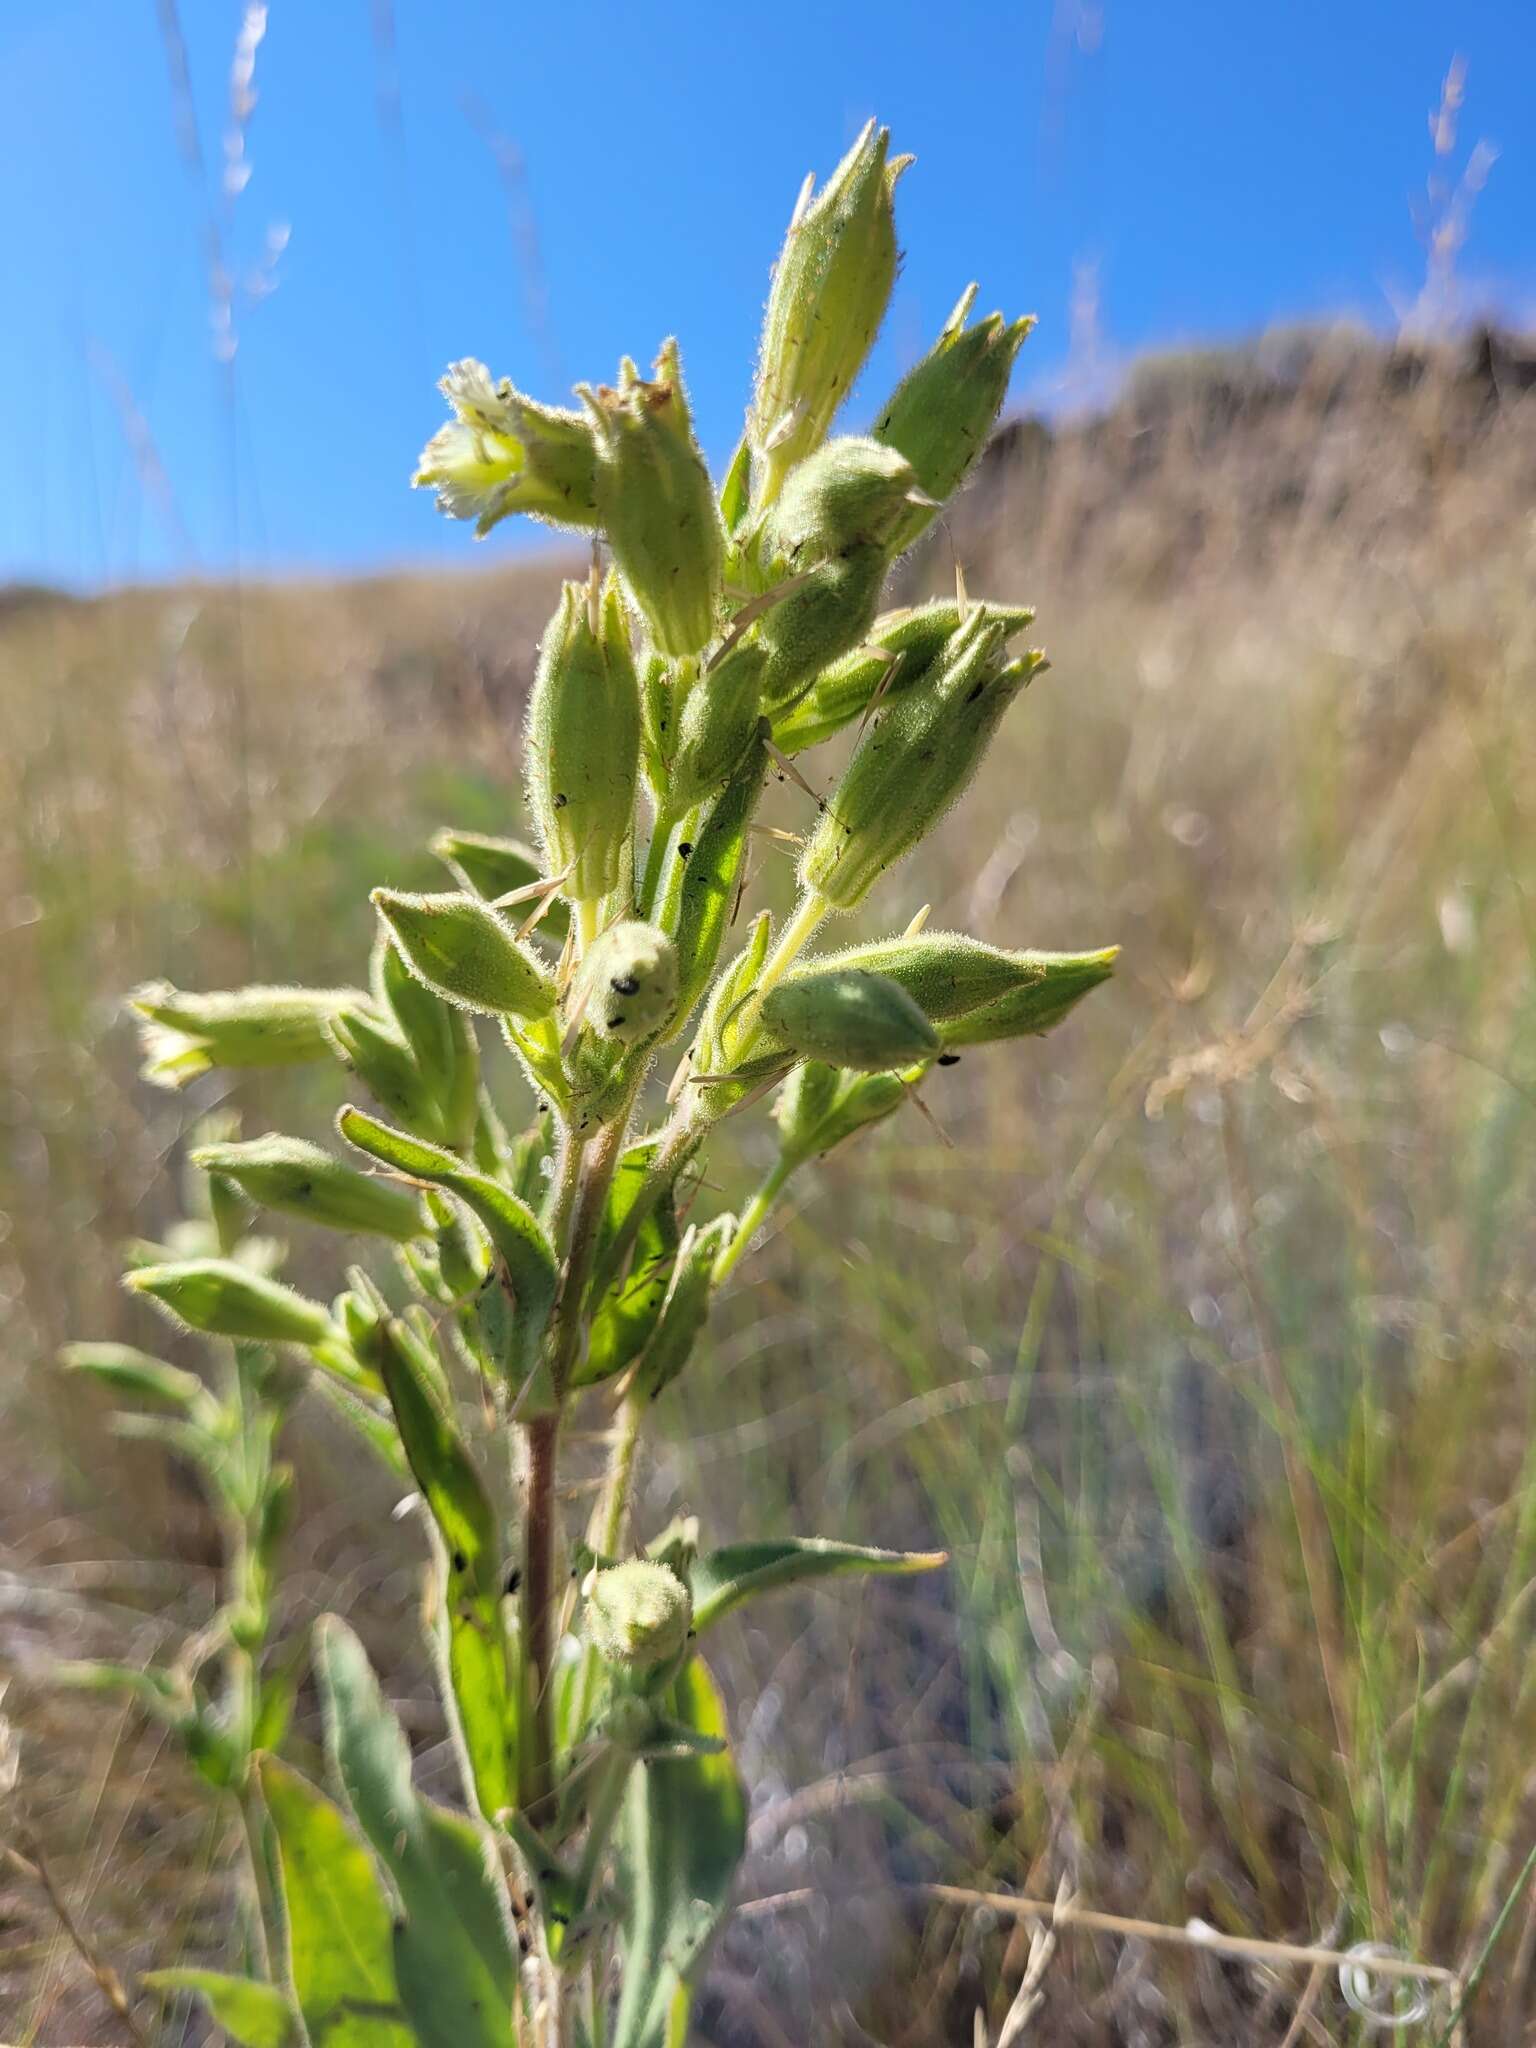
{"x":624,"y":1319}
{"x":256,"y":2015}
{"x":138,"y":1376}
{"x":455,"y":1961}
{"x":471,"y":1559}
{"x":526,"y":1267}
{"x":698,"y":888}
{"x":340,"y":1934}
{"x":725,"y":1579}
{"x":685,"y":1826}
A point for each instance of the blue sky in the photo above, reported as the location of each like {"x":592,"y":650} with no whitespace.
{"x":1210,"y":165}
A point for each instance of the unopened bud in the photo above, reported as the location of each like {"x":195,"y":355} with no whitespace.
{"x":657,"y":504}
{"x":184,"y":1034}
{"x":628,"y":981}
{"x":303,"y":1179}
{"x":819,"y":1106}
{"x":583,"y":741}
{"x":941,"y":413}
{"x":819,"y":619}
{"x":461,"y":948}
{"x":900,"y":645}
{"x":1057,"y":984}
{"x":504,"y":453}
{"x":227,"y":1300}
{"x":947,"y":974}
{"x":850,"y":493}
{"x":914,"y":760}
{"x":850,"y":1018}
{"x":716,"y":726}
{"x":830,"y":289}
{"x":638,"y":1615}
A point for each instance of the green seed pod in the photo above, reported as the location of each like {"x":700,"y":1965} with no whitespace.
{"x":900,"y":646}
{"x":1058,"y":982}
{"x":461,"y":948}
{"x":374,"y":1051}
{"x":947,"y":974}
{"x":583,"y":741}
{"x":716,"y":726}
{"x":228,"y":1300}
{"x":627,"y":987}
{"x":638,"y":1615}
{"x":819,"y":1106}
{"x":184,"y":1035}
{"x":850,"y":493}
{"x":817,"y":621}
{"x":686,"y":1308}
{"x":490,"y":866}
{"x":941,"y":413}
{"x":503,"y":453}
{"x":915,"y":759}
{"x":305,"y":1180}
{"x":440,"y":1035}
{"x":851,"y":1018}
{"x":657,"y":503}
{"x":830,"y":289}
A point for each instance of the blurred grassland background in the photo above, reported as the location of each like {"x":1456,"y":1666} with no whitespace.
{"x":1201,"y":1333}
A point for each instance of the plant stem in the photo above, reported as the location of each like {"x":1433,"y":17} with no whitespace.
{"x":807,"y":915}
{"x":607,"y":1800}
{"x":608,"y":1523}
{"x":752,"y":1220}
{"x":543,"y":1441}
{"x":587,"y":911}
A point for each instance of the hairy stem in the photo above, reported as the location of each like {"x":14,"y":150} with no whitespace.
{"x":543,"y":1443}
{"x":753,"y":1217}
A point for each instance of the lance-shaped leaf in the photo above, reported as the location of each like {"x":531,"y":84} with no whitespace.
{"x":303,"y":1179}
{"x":138,"y":1376}
{"x":340,"y":1935}
{"x":685,"y":1826}
{"x":474,"y":1639}
{"x":225,"y":1299}
{"x":686,"y":1307}
{"x":255,"y":2015}
{"x":626,"y":1314}
{"x":698,"y":883}
{"x":495,"y":867}
{"x":526,"y":1266}
{"x":455,"y":1961}
{"x":726,"y":1579}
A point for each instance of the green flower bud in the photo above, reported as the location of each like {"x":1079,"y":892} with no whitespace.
{"x":305,"y":1180}
{"x":947,"y":974}
{"x":851,"y":1018}
{"x":227,"y":1300}
{"x":941,"y":413}
{"x":819,"y":1106}
{"x":915,"y":758}
{"x":375,"y":1051}
{"x":628,"y":982}
{"x":716,"y":726}
{"x":1058,"y":983}
{"x":817,"y":621}
{"x":657,"y":503}
{"x":461,"y":948}
{"x":638,"y":1615}
{"x":830,"y":289}
{"x":183,"y":1035}
{"x":583,"y":741}
{"x":851,"y":493}
{"x":901,"y":645}
{"x":503,"y":453}
{"x":489,"y":866}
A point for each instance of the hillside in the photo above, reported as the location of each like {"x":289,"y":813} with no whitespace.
{"x":1235,"y":1271}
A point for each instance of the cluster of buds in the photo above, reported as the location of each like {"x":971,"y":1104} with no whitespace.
{"x":545,"y":1255}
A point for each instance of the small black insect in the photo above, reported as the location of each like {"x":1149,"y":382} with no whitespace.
{"x":624,"y":985}
{"x":949,"y":1059}
{"x":684,"y":848}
